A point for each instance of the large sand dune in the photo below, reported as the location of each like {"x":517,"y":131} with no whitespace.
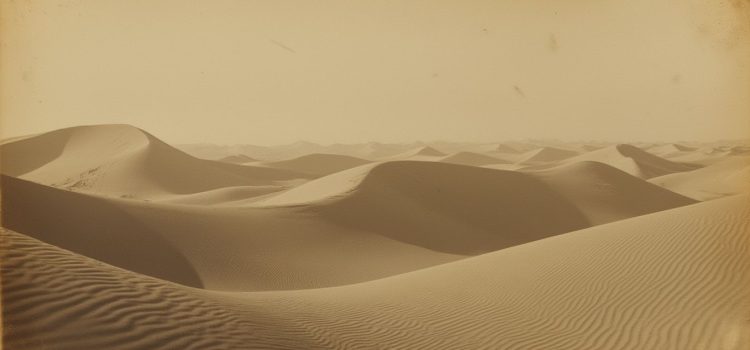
{"x":634,"y":161}
{"x":408,"y":214}
{"x":121,"y":160}
{"x":677,"y":279}
{"x":223,"y":248}
{"x":469,"y":210}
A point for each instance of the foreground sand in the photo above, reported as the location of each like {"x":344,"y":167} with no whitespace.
{"x":676,"y":279}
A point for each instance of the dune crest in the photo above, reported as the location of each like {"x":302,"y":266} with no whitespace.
{"x":122,"y":160}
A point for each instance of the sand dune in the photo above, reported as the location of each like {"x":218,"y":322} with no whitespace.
{"x":238,"y":159}
{"x":419,"y":153}
{"x":469,"y":210}
{"x":217,"y":247}
{"x":545,"y":155}
{"x":603,"y":193}
{"x":727,"y":177}
{"x":318,"y":164}
{"x":634,"y":161}
{"x":472,"y":158}
{"x":95,"y":228}
{"x":677,"y":279}
{"x":504,"y":148}
{"x":121,"y":160}
{"x":408,"y":214}
{"x":671,"y":149}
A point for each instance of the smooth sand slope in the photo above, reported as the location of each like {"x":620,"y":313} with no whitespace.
{"x":364,"y":223}
{"x":603,"y":193}
{"x":727,"y":177}
{"x":634,"y":161}
{"x":318,"y":164}
{"x":221,"y":248}
{"x":677,"y":279}
{"x":469,"y":210}
{"x":121,"y":160}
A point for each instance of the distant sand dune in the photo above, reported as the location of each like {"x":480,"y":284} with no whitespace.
{"x":727,"y":177}
{"x":124,"y":161}
{"x":634,"y":161}
{"x":546,"y":155}
{"x":318,"y":164}
{"x":677,"y":279}
{"x":472,"y":158}
{"x":419,"y":153}
{"x":238,"y":159}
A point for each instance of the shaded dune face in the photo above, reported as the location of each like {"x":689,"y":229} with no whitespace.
{"x":604,"y":193}
{"x":452,"y":208}
{"x":94,"y":228}
{"x":24,"y":156}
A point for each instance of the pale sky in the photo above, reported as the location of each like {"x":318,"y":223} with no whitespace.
{"x":269,"y":72}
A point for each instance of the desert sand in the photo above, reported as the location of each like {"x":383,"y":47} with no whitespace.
{"x":113,"y":238}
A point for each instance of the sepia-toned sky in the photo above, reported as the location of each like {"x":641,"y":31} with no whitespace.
{"x":275,"y":71}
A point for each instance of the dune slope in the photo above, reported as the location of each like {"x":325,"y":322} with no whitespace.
{"x":603,"y":193}
{"x":122,"y":160}
{"x":222,"y":248}
{"x":469,"y":210}
{"x":677,"y":279}
{"x":634,"y":161}
{"x":726,"y":177}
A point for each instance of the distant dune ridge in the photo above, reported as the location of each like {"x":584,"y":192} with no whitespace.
{"x":545,"y":155}
{"x":634,"y":161}
{"x":472,"y":158}
{"x":238,"y":159}
{"x":115,"y":239}
{"x":318,"y":164}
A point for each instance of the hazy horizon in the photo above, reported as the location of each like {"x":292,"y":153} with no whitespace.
{"x":268,"y":72}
